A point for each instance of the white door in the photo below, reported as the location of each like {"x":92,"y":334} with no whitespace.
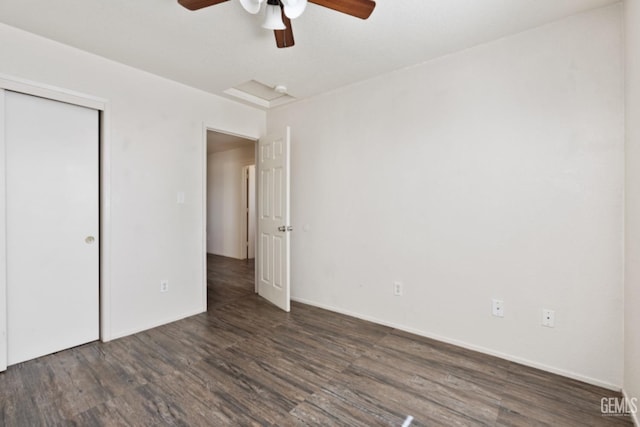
{"x":52,"y":226}
{"x":273,"y":219}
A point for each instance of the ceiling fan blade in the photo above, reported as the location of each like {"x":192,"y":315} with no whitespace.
{"x":284,"y":38}
{"x":199,"y":4}
{"x":358,"y":8}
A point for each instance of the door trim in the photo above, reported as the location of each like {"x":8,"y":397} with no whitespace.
{"x":246,"y":219}
{"x":76,"y":98}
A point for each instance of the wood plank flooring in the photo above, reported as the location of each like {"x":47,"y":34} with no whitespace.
{"x":245,"y":362}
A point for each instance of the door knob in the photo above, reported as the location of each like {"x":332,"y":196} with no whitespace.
{"x":285,"y":228}
{"x":89,"y":240}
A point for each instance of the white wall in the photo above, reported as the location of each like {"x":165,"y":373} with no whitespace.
{"x":225,"y":200}
{"x":493,"y":172}
{"x":156,"y":150}
{"x":632,"y":278}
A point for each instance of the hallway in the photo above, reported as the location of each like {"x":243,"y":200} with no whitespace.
{"x":228,"y":279}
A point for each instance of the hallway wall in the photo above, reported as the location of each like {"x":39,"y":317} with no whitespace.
{"x":225,"y":200}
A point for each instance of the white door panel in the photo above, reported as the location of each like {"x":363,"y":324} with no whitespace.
{"x":52,"y":225}
{"x":273,"y":215}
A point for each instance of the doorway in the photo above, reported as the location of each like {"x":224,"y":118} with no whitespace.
{"x":230,"y":218}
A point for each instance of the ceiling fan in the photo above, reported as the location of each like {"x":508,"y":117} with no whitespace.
{"x":278,"y":13}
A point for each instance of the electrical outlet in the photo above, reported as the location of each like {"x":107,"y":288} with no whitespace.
{"x":497,"y":307}
{"x":548,"y":318}
{"x":164,"y":286}
{"x":397,"y":289}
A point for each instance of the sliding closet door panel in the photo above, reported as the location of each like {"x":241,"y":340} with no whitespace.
{"x":52,"y":226}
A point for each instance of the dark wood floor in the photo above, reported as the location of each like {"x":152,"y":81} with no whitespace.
{"x":247,"y":363}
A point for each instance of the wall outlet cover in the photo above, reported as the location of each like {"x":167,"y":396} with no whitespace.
{"x":497,"y":307}
{"x":397,"y":289}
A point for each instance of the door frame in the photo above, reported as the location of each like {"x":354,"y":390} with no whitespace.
{"x":245,"y":219}
{"x":102,"y":106}
{"x":217,"y":128}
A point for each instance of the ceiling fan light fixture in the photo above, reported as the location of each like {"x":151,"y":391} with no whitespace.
{"x":294,"y":8}
{"x":251,"y":6}
{"x":279,"y":13}
{"x":273,"y":17}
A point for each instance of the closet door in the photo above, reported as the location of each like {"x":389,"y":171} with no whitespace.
{"x":52,"y":216}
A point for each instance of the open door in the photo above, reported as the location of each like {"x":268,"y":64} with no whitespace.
{"x":273,"y":273}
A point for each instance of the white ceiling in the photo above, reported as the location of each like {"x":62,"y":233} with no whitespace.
{"x":222,"y":46}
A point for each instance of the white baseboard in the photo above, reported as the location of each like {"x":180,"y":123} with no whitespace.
{"x":480,"y":349}
{"x":123,"y":334}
